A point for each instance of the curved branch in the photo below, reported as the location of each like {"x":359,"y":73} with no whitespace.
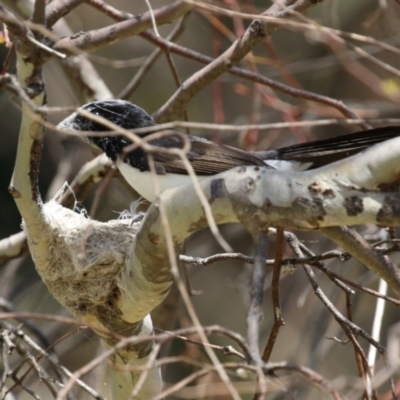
{"x":93,"y":40}
{"x":349,"y":192}
{"x":255,"y":34}
{"x":111,"y":275}
{"x":254,"y":77}
{"x":58,"y":9}
{"x":240,"y":72}
{"x":349,"y":240}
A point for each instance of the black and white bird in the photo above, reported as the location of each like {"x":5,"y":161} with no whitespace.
{"x":207,"y":158}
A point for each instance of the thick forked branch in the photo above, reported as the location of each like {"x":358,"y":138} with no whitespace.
{"x":43,"y":237}
{"x":123,"y":271}
{"x":24,"y":184}
{"x":360,"y":190}
{"x":349,"y":192}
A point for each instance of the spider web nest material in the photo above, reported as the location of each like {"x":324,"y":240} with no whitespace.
{"x":85,"y":261}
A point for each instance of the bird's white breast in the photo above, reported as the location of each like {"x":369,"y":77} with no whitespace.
{"x":142,"y":181}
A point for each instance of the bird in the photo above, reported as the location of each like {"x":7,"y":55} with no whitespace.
{"x":206,"y":157}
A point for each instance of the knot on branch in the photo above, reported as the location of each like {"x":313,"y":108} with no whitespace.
{"x":258,"y":29}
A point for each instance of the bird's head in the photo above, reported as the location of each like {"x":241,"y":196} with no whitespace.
{"x":120,"y":112}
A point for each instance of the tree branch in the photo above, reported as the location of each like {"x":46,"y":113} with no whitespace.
{"x":93,"y":40}
{"x":255,"y":34}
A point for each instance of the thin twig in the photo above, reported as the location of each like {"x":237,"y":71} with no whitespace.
{"x":181,"y":286}
{"x":276,"y":302}
{"x":153,"y":20}
{"x":255,"y":312}
{"x":150,"y":61}
{"x":226,"y":350}
{"x":242,"y":73}
{"x":149,"y":364}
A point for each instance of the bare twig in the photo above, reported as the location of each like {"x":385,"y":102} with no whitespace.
{"x":181,"y":286}
{"x":150,"y":61}
{"x":276,"y":302}
{"x":226,"y":350}
{"x":257,"y":31}
{"x":38,"y":16}
{"x":57,"y":9}
{"x":354,"y":244}
{"x":242,"y":73}
{"x":255,"y":312}
{"x":150,"y":364}
{"x":21,"y":335}
{"x":120,"y":30}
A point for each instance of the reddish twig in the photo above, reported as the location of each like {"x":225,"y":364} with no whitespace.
{"x":245,"y":74}
{"x":242,"y":73}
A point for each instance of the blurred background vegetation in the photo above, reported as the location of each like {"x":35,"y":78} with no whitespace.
{"x":296,"y":58}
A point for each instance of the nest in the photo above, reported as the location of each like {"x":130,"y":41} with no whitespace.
{"x":85,"y":260}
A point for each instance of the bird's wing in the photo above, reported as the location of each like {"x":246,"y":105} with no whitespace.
{"x":326,"y":151}
{"x":206,"y":158}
